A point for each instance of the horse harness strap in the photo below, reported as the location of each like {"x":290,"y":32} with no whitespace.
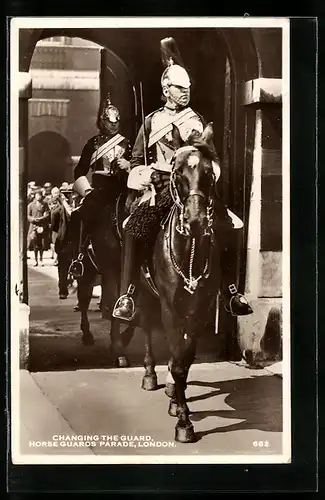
{"x":76,"y":268}
{"x":190,"y":283}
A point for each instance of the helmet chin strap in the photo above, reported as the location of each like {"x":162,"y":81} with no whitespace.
{"x":105,"y":130}
{"x":177,"y":100}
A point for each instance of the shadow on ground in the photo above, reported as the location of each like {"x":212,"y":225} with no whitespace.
{"x":257,"y":401}
{"x":55,"y":335}
{"x":57,"y":345}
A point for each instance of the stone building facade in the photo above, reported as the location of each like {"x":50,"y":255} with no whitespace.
{"x":63,"y":109}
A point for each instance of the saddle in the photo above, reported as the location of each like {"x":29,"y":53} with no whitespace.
{"x":85,"y":247}
{"x":144,"y":224}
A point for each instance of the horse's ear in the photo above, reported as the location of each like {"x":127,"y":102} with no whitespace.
{"x":193,"y":137}
{"x":177,"y":140}
{"x":207,"y":133}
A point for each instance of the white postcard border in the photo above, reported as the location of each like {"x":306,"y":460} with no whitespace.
{"x":149,"y":22}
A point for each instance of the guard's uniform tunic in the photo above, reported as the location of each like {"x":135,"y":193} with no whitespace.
{"x":100,"y":155}
{"x":161,"y":147}
{"x":159,"y":140}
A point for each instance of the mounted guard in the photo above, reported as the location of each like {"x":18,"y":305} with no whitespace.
{"x":151,"y":165}
{"x":92,"y":239}
{"x":107,"y":155}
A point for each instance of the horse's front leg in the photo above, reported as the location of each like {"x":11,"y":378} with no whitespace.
{"x":170,"y":383}
{"x":179,"y":366}
{"x":84,"y":293}
{"x":109,"y":294}
{"x":117,"y":345}
{"x":149,"y":381}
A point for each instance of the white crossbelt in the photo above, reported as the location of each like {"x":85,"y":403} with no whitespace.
{"x":105,"y":148}
{"x":177,"y":120}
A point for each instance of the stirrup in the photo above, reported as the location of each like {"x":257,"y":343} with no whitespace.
{"x":235,"y":295}
{"x":120,"y":303}
{"x":76,"y":268}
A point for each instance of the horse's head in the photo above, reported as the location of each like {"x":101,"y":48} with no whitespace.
{"x":193,"y":181}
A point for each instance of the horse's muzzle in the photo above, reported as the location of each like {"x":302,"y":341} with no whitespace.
{"x":195,"y":216}
{"x":196,"y":228}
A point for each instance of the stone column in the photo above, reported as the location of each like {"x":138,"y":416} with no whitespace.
{"x":25,"y":92}
{"x":260,"y":333}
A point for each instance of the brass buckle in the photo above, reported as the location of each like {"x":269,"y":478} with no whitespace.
{"x":232,"y":289}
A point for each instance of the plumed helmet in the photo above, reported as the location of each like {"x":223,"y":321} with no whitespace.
{"x":107,"y":111}
{"x":174,"y":73}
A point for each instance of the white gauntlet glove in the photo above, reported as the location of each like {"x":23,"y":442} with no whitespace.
{"x":82,"y":186}
{"x":139,"y":178}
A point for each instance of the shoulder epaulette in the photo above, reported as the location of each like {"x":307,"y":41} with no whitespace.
{"x":155,"y":111}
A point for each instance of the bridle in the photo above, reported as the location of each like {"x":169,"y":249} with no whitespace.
{"x":193,"y":192}
{"x":190,"y":283}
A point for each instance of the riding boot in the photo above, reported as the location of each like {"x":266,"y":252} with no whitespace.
{"x":124,"y":308}
{"x":234,"y":302}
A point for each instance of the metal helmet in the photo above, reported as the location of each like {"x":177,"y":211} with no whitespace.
{"x":174,"y":73}
{"x":108,"y":112}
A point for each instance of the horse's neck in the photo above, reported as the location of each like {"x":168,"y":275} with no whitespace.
{"x":175,"y":244}
{"x":178,"y":242}
{"x":185,"y":248}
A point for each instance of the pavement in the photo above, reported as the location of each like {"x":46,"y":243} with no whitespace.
{"x":74,"y":407}
{"x":55,"y":335}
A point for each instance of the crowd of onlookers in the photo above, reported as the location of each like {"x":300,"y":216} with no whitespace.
{"x":42,"y":203}
{"x":44,"y":212}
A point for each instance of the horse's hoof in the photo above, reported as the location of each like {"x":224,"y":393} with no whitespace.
{"x":88,"y":340}
{"x":122,"y":362}
{"x":172,"y":410}
{"x":149,"y":383}
{"x":170,"y":390}
{"x":185,"y":434}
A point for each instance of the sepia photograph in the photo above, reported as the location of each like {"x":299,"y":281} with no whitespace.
{"x":150,"y":240}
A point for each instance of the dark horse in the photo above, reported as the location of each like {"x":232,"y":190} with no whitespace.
{"x":103,"y":234}
{"x":186,"y":270}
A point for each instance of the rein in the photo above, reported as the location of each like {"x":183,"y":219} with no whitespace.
{"x":190,"y":282}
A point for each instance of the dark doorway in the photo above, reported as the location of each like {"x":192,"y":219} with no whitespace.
{"x":48,"y":158}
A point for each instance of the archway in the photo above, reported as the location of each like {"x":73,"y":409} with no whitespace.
{"x":231,"y":56}
{"x":49,"y":158}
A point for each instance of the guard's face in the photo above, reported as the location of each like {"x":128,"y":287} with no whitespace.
{"x":38,"y":196}
{"x":111,"y":127}
{"x":178,"y":94}
{"x":111,"y":121}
